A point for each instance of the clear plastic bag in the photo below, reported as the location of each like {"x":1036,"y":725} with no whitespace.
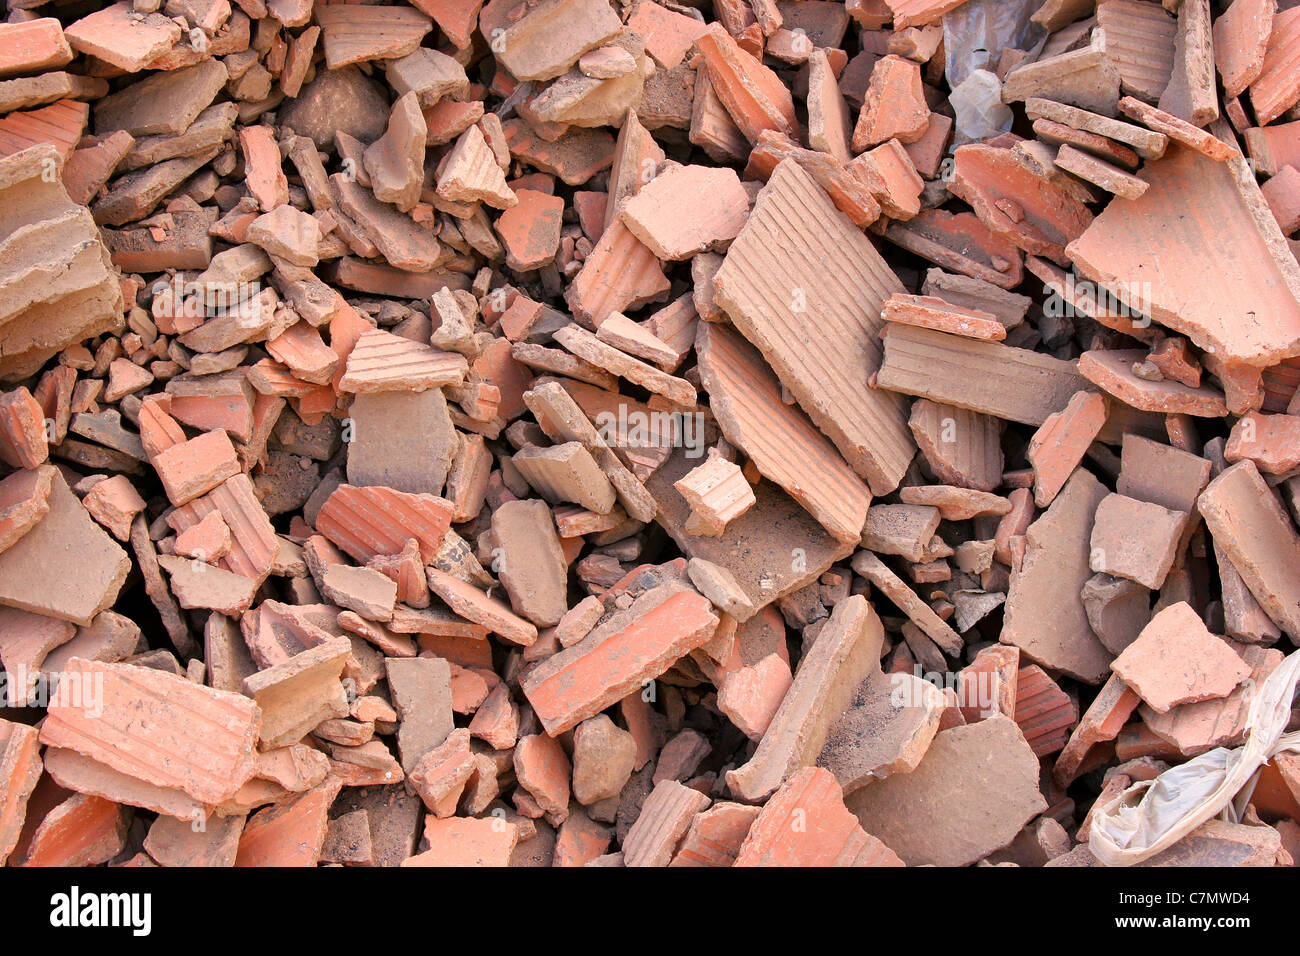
{"x":979,"y":110}
{"x":976,"y":33}
{"x":1153,"y":815}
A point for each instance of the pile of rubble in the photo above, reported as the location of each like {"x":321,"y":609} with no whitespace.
{"x":564,"y":432}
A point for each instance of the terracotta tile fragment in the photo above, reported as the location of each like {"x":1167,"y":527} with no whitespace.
{"x":866,"y":425}
{"x":354,"y":35}
{"x":66,"y":537}
{"x":1140,"y":43}
{"x":83,"y":830}
{"x":847,"y":646}
{"x":289,"y":833}
{"x":1176,"y":660}
{"x":753,"y":94}
{"x":582,"y":680}
{"x":971,"y":794}
{"x":933,"y":313}
{"x":1113,"y":372}
{"x":886,"y":729}
{"x":1048,"y":585}
{"x":686,"y":210}
{"x":1249,"y":524}
{"x":1058,"y":446}
{"x":143,"y":709}
{"x":659,"y":829}
{"x":895,"y":106}
{"x":24,"y":502}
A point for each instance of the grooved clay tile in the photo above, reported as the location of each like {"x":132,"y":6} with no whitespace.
{"x":1140,"y":42}
{"x":157,"y":727}
{"x":381,"y":361}
{"x":666,"y":815}
{"x":253,"y":541}
{"x":770,"y":284}
{"x":374,"y":520}
{"x":746,"y":397}
{"x":353,"y":34}
{"x":61,"y":125}
{"x":1044,"y":712}
{"x":987,"y":377}
{"x":962,"y":447}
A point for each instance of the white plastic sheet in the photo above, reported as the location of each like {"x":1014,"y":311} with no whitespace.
{"x":1153,"y":815}
{"x":976,"y":33}
{"x":980,"y":112}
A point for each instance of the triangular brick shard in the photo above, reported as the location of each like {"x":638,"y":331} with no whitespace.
{"x":798,"y":256}
{"x":470,"y":173}
{"x":66,"y":538}
{"x":381,"y":361}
